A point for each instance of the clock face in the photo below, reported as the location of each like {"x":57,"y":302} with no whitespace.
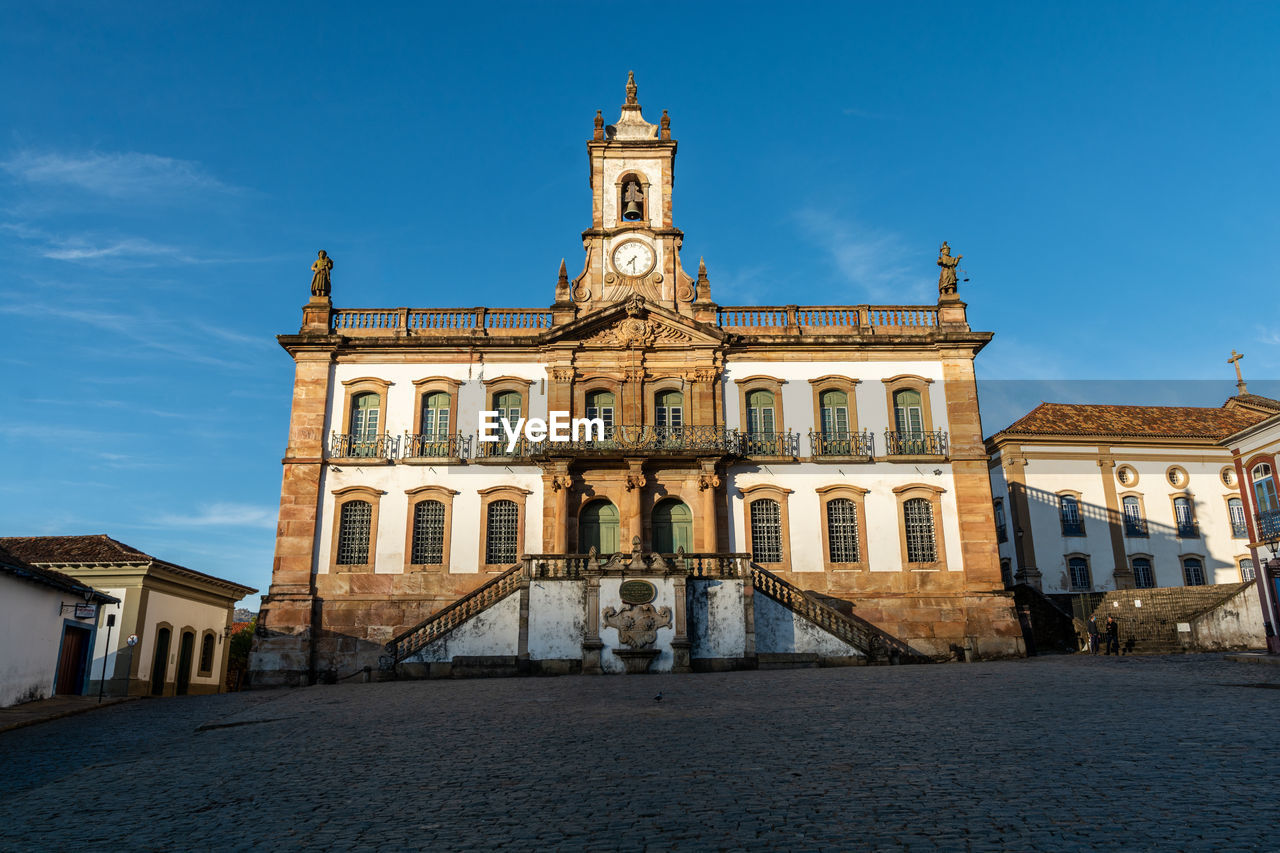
{"x":633,"y":258}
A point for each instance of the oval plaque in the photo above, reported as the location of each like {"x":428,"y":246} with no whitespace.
{"x":637,"y":592}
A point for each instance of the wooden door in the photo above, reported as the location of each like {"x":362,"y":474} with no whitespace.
{"x":186,"y":652}
{"x":72,"y":661}
{"x":672,"y":527}
{"x":160,"y":662}
{"x":598,"y":528}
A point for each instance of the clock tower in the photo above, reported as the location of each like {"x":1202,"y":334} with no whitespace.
{"x":632,"y":245}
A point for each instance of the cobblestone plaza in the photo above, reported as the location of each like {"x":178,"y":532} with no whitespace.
{"x":1050,"y":753}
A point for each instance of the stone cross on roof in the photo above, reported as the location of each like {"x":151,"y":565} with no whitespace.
{"x":1241,"y":388}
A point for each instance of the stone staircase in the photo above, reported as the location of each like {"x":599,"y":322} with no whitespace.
{"x":1152,"y":628}
{"x":445,"y":620}
{"x":879,"y":646}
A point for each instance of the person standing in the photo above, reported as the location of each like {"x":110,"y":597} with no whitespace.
{"x":1093,"y":635}
{"x":1113,"y":635}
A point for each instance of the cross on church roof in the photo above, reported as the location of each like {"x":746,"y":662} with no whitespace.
{"x":1241,"y":388}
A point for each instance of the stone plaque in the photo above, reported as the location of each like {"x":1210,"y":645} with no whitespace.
{"x":637,"y":592}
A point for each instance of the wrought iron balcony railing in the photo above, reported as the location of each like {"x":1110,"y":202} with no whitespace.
{"x":354,"y":446}
{"x":842,"y":443}
{"x":916,"y":443}
{"x":1135,"y":527}
{"x":770,"y":444}
{"x":1268,"y":525}
{"x":624,"y":438}
{"x":432,"y":446}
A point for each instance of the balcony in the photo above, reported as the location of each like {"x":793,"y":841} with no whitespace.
{"x":770,"y":444}
{"x":432,"y":446}
{"x":1135,"y":528}
{"x":626,"y":439}
{"x":350,"y":446}
{"x":842,"y":444}
{"x":1268,"y":525}
{"x":916,"y":443}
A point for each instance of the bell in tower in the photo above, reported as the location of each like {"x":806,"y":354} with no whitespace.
{"x":633,"y":199}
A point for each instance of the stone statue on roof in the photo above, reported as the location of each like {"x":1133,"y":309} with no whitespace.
{"x":947,"y":277}
{"x":320,"y":274}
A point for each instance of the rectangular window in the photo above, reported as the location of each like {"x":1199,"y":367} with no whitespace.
{"x":1239,"y":529}
{"x":1247,"y":572}
{"x":1186,"y":522}
{"x":1134,"y":525}
{"x":502,"y":533}
{"x":766,"y":531}
{"x":428,"y":533}
{"x":842,"y":530}
{"x":1079,"y":568}
{"x":353,"y":533}
{"x":1002,"y":533}
{"x":918,"y":517}
{"x":1071,"y":523}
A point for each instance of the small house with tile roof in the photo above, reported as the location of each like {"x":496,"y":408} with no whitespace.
{"x":1092,"y":497}
{"x":48,"y":622}
{"x":180,"y":617}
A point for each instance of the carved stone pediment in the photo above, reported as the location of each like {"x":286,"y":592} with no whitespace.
{"x":636,"y":324}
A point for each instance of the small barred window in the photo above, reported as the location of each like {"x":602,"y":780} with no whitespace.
{"x":842,"y":530}
{"x":502,"y":533}
{"x":918,"y":517}
{"x":353,"y":533}
{"x":766,"y":531}
{"x":428,"y":533}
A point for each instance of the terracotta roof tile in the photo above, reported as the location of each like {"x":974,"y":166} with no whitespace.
{"x":73,"y":549}
{"x":1136,"y":421}
{"x":12,"y":564}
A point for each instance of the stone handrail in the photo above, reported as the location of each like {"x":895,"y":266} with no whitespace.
{"x":857,"y":632}
{"x":443,"y":621}
{"x":439,"y":321}
{"x":821,"y":319}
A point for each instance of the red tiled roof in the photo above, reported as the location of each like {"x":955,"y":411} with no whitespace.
{"x":73,"y":549}
{"x":12,"y":564}
{"x":1136,"y":421}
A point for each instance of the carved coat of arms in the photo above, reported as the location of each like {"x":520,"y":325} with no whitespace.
{"x":638,"y":624}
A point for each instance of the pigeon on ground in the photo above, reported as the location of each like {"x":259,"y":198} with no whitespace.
{"x":658,"y":698}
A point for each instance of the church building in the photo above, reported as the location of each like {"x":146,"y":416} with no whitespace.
{"x":757,"y":483}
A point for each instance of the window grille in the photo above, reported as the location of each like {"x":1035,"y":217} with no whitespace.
{"x":1239,"y":530}
{"x":1071,"y":525}
{"x":766,"y":531}
{"x":1193,"y":572}
{"x":353,"y":533}
{"x":842,"y":530}
{"x":1079,"y":569}
{"x":1247,"y":572}
{"x":428,"y":534}
{"x":1186,"y":523}
{"x":502,"y":532}
{"x":1143,"y":577}
{"x":918,"y":517}
{"x":1134,"y":525}
{"x":1123,"y":476}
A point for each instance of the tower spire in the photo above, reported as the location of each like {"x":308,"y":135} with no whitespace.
{"x":631,"y":88}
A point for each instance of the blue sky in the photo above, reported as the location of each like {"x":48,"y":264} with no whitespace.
{"x":168,"y":171}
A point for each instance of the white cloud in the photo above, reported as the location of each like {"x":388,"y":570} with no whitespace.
{"x":120,"y":175}
{"x":223,"y":515}
{"x":874,"y":261}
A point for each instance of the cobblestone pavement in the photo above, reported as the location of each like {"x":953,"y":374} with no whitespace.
{"x":1159,"y":753}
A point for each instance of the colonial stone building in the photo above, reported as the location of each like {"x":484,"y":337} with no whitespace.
{"x":825,"y":459}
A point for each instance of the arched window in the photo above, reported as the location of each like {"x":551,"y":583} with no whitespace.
{"x":918,"y":519}
{"x":835,"y":414}
{"x":502,"y":532}
{"x":842,"y":531}
{"x":1185,"y":518}
{"x":668,"y":411}
{"x":598,"y":528}
{"x":435,"y":416}
{"x":1264,"y":488}
{"x":1002,"y":529}
{"x":908,"y":414}
{"x":1069,"y":509}
{"x":760,"y":419}
{"x":1006,"y":572}
{"x":1193,"y":571}
{"x":766,"y":530}
{"x":206,"y":655}
{"x":428,"y":533}
{"x":672,"y":527}
{"x":1078,"y":569}
{"x":600,"y":405}
{"x":365,"y":422}
{"x":508,"y":406}
{"x":1247,"y":572}
{"x":1134,"y":523}
{"x":1239,"y":529}
{"x":353,"y":533}
{"x":1143,"y":576}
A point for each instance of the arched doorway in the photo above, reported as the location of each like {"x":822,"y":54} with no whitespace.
{"x":160,"y":662}
{"x":598,"y":528}
{"x":186,"y":651}
{"x":672,"y":527}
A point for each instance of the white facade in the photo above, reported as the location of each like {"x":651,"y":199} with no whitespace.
{"x":33,"y":627}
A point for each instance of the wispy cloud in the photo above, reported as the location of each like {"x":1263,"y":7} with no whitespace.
{"x":860,"y":113}
{"x":99,"y":249}
{"x":872,"y":260}
{"x":223,"y":515}
{"x":115,"y":175}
